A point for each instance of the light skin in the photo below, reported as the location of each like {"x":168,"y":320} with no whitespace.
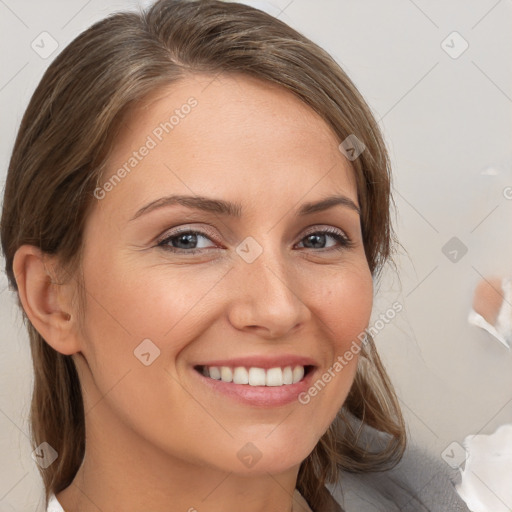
{"x":488,"y":298}
{"x":157,"y":438}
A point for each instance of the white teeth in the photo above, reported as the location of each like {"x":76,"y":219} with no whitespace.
{"x":256,"y":376}
{"x":214,"y":372}
{"x":288,"y":375}
{"x":298,"y":373}
{"x":240,"y":375}
{"x":226,"y":375}
{"x":274,"y":377}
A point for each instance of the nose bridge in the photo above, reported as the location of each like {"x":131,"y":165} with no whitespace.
{"x":267,"y":297}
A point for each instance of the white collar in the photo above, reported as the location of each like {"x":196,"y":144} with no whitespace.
{"x":54,"y":505}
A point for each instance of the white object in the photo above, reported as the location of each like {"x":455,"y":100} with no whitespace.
{"x":486,"y":484}
{"x":53,"y":504}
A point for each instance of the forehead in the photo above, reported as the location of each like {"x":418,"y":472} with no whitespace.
{"x":227,"y":136}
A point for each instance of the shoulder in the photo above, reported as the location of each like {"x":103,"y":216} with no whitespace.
{"x":419,"y":483}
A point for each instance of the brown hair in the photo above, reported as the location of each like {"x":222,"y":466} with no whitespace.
{"x":65,"y":137}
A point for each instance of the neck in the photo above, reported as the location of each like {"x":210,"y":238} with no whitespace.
{"x":145,"y":478}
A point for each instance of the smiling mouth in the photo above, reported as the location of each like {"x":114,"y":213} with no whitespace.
{"x":254,"y":376}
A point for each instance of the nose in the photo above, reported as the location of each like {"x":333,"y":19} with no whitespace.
{"x":266,"y":296}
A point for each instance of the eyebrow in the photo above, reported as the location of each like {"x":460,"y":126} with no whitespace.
{"x":235,"y":209}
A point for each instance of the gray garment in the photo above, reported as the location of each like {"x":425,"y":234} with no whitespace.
{"x":419,"y":483}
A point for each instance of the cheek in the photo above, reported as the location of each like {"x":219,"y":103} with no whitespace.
{"x":125,"y":308}
{"x":130,"y":302}
{"x":350,"y":320}
{"x":344,"y":304}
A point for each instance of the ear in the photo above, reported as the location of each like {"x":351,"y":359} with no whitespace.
{"x":47,"y":303}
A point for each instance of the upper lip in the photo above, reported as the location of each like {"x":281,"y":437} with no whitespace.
{"x":265,"y":362}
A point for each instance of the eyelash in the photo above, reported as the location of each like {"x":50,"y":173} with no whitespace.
{"x":344,"y":241}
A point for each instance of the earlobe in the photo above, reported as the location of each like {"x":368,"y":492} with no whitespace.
{"x":46,"y":302}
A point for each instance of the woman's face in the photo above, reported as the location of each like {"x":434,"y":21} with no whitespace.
{"x":243,"y":272}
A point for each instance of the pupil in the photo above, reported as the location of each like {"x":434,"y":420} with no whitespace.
{"x":188,"y":238}
{"x":317,"y":239}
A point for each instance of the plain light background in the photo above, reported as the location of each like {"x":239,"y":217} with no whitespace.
{"x":447,"y":121}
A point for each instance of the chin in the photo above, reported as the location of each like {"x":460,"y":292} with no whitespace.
{"x":273,"y":464}
{"x":277,"y":453}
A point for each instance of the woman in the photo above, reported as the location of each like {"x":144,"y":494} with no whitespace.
{"x":196,"y":209}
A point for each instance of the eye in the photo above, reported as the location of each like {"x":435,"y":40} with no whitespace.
{"x":317,"y":239}
{"x":188,"y":241}
{"x":184,"y":241}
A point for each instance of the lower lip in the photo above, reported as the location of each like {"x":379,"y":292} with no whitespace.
{"x":259,"y":396}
